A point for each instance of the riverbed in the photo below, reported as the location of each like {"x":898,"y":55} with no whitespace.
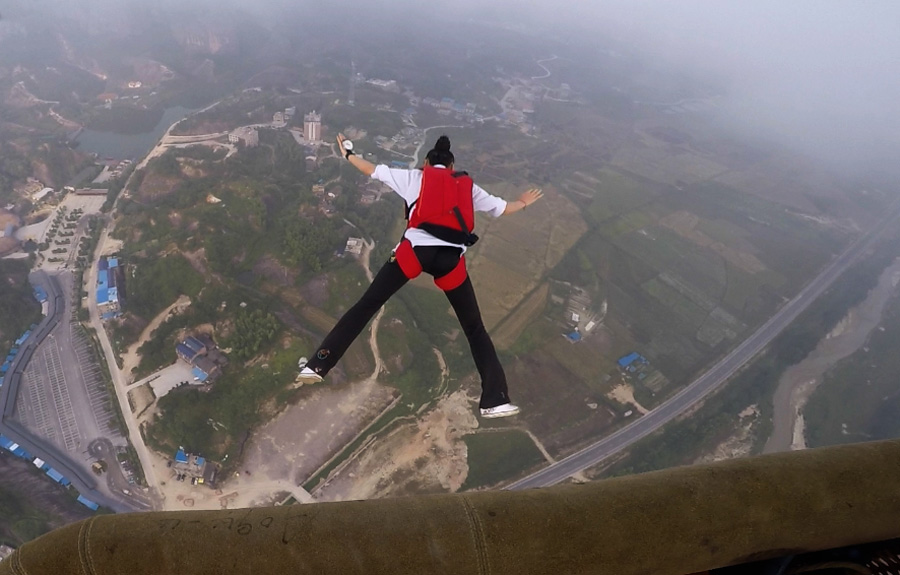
{"x":800,"y":380}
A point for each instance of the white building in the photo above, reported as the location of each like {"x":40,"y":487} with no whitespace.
{"x":249,"y":137}
{"x":312,"y":127}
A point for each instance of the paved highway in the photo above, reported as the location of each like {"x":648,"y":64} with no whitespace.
{"x":709,"y":381}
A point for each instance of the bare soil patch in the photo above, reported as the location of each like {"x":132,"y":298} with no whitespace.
{"x":297,"y":442}
{"x":425,"y":456}
{"x":7,"y":218}
{"x":624,"y":394}
{"x":271,"y":269}
{"x":156,"y":186}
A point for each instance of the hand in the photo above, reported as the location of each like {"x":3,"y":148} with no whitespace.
{"x":531,"y":196}
{"x":340,"y":141}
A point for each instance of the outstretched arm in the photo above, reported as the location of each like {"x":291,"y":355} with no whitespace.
{"x":364,"y":166}
{"x":525,"y":200}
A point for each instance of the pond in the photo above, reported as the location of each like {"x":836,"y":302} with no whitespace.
{"x":129,"y":146}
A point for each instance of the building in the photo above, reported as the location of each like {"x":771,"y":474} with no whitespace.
{"x":354,"y":246}
{"x":204,"y":357}
{"x":194,"y":468}
{"x":41,"y":194}
{"x":278,"y":118}
{"x":312,"y":127}
{"x":246,"y":136}
{"x":626,"y":361}
{"x":204,"y":369}
{"x":91,"y":192}
{"x":87,"y":503}
{"x":109,"y":279}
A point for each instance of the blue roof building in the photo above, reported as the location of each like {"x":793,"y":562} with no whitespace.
{"x":6,"y":443}
{"x":194,"y":344}
{"x":629,"y":359}
{"x":24,"y":337}
{"x":102,"y":264}
{"x":181,"y":456}
{"x":102,"y":295}
{"x":20,"y":452}
{"x":56,"y":476}
{"x":185,"y":353}
{"x":199,"y":374}
{"x":87,"y":503}
{"x":574,"y":337}
{"x":40,"y":294}
{"x":113,"y":262}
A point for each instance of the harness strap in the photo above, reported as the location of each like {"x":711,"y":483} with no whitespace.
{"x":409,"y":264}
{"x":407,"y":260}
{"x":455,"y":278}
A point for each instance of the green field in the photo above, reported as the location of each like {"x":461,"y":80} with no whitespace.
{"x":497,"y":456}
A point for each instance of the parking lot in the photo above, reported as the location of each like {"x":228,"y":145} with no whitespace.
{"x":167,"y":379}
{"x":63,"y":249}
{"x":63,"y":397}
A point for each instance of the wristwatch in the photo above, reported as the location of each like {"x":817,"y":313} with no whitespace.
{"x":348,"y":147}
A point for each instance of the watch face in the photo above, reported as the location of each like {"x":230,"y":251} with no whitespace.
{"x":348,"y":145}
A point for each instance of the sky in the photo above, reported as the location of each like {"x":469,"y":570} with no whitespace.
{"x":820,"y":76}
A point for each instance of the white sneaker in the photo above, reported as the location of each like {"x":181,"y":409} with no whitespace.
{"x":505,"y":410}
{"x":307,"y":375}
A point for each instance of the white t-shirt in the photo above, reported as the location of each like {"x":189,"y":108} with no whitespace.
{"x":408,"y":184}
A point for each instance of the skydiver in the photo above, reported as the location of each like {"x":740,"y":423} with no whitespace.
{"x":440,"y":206}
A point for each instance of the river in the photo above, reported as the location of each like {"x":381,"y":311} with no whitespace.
{"x":800,"y":380}
{"x":129,"y":146}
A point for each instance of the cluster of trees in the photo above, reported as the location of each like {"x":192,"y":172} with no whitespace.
{"x":253,"y":330}
{"x":310,"y":242}
{"x":18,"y":308}
{"x":157,"y":282}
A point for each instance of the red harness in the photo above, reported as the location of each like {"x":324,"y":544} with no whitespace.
{"x":444,"y":209}
{"x":411,"y":267}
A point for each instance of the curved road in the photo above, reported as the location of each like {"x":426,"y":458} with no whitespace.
{"x":709,"y":381}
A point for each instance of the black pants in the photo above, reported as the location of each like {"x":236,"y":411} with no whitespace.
{"x":437,"y":261}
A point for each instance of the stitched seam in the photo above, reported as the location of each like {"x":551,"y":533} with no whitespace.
{"x":478,"y":540}
{"x":17,"y":567}
{"x":84,"y":548}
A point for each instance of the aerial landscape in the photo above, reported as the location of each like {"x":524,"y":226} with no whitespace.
{"x":710,"y":274}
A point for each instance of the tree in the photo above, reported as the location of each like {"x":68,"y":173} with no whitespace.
{"x":252,"y":331}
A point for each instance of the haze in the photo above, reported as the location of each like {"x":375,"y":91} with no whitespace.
{"x":819,"y":76}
